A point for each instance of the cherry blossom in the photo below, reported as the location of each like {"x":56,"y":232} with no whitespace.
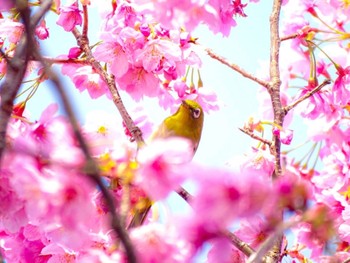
{"x":51,"y":210}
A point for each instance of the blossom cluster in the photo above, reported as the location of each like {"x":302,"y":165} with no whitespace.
{"x":314,"y":50}
{"x":135,"y":43}
{"x":51,"y":210}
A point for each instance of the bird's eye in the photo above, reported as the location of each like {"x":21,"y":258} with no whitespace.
{"x":196,"y":113}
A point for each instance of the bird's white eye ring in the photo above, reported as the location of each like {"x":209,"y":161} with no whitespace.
{"x":196,"y":113}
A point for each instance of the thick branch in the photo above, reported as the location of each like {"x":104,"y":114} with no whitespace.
{"x":15,"y":73}
{"x":306,"y":96}
{"x":273,"y":254}
{"x":44,"y":8}
{"x":275,"y":82}
{"x":86,"y":21}
{"x":91,"y":168}
{"x":14,"y":76}
{"x":236,"y":68}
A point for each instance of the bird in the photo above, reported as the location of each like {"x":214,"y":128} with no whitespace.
{"x":186,"y":122}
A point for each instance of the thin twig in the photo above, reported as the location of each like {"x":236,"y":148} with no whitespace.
{"x":91,"y":168}
{"x":306,"y":95}
{"x":291,"y":36}
{"x":184,"y":194}
{"x":236,"y":68}
{"x":251,"y":134}
{"x":65,"y":60}
{"x":347,"y":260}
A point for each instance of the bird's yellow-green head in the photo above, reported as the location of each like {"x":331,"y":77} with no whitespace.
{"x":187,"y":122}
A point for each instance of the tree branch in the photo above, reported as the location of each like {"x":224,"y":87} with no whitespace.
{"x":270,"y":242}
{"x":238,"y":243}
{"x":291,"y":36}
{"x":236,"y":68}
{"x":65,"y":60}
{"x":83,"y":43}
{"x":184,"y":194}
{"x":86,"y":21}
{"x":273,"y":255}
{"x":44,"y":8}
{"x":16,"y":70}
{"x":91,"y":168}
{"x":275,"y":82}
{"x":258,"y":138}
{"x":306,"y":96}
{"x":15,"y":73}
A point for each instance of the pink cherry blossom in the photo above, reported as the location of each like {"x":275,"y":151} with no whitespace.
{"x":11,"y":30}
{"x":285,"y":135}
{"x":257,"y":161}
{"x":214,"y":198}
{"x":18,"y":248}
{"x":156,"y":52}
{"x":222,"y":251}
{"x":254,"y":231}
{"x":340,"y":90}
{"x":69,"y":17}
{"x":116,"y":57}
{"x":49,"y":138}
{"x":138,"y":83}
{"x":6,"y":5}
{"x":158,"y":243}
{"x":86,"y":78}
{"x":42,"y":31}
{"x":163,"y":166}
{"x":103,"y":132}
{"x":74,"y":52}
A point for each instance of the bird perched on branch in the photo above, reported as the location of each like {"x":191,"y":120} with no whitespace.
{"x":186,"y":122}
